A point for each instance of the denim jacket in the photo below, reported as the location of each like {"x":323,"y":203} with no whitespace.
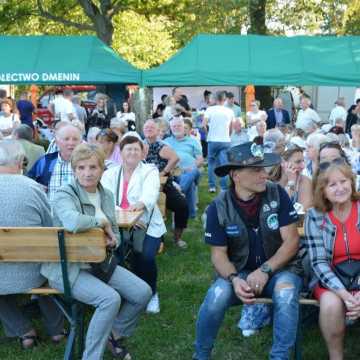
{"x":76,"y":213}
{"x":320,"y":235}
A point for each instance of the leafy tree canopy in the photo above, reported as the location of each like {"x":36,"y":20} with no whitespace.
{"x":148,"y":32}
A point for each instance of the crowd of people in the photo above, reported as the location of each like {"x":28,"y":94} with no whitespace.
{"x":274,"y":170}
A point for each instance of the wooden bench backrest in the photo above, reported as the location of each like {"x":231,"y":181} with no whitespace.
{"x":40,"y":244}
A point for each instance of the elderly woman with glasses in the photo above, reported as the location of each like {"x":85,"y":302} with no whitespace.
{"x":82,"y":205}
{"x":332,"y":234}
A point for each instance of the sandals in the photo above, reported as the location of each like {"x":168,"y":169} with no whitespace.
{"x":33,"y":341}
{"x":118,"y":350}
{"x":57,"y":339}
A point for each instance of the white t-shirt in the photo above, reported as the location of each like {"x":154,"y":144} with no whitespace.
{"x":125,"y":116}
{"x":336,"y":113}
{"x":305,"y":118}
{"x":7,"y":122}
{"x":63,"y":107}
{"x":94,"y":198}
{"x":253,"y":118}
{"x":219,"y":120}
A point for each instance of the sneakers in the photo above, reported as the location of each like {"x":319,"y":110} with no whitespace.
{"x":181,"y":244}
{"x":212,"y":190}
{"x":153,"y":307}
{"x":250,"y":332}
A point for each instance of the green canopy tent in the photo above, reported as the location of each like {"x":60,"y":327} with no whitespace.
{"x":62,"y":60}
{"x":261,"y":60}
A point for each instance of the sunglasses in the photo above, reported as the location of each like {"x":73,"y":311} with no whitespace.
{"x":326,"y":164}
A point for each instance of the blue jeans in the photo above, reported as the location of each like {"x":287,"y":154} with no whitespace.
{"x":217,"y":157}
{"x":221,"y":296}
{"x":144,"y":264}
{"x":188,"y":181}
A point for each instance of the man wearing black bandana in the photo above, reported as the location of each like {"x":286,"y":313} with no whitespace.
{"x":252,"y":231}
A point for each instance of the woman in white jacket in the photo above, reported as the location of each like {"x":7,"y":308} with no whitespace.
{"x":136,"y":186}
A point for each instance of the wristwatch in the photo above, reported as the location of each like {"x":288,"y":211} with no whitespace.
{"x":231,"y":277}
{"x":266,"y":268}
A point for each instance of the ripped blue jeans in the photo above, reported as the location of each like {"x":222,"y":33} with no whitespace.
{"x":284,"y":289}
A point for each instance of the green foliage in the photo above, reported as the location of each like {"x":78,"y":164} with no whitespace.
{"x":142,"y":41}
{"x":148,"y":32}
{"x":351,"y":24}
{"x":208,"y":16}
{"x":21,"y":17}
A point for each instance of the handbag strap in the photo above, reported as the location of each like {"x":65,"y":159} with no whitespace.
{"x":117,"y":190}
{"x":346,"y":240}
{"x":117,"y":193}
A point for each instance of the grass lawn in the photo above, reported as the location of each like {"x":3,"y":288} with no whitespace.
{"x":184,"y":277}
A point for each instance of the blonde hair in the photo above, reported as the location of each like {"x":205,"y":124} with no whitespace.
{"x":87,"y":151}
{"x":321,"y":202}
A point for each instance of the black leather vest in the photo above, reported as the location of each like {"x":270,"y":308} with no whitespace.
{"x":237,"y":233}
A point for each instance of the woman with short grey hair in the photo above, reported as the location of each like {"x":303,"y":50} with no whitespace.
{"x":26,"y":206}
{"x":82,"y":205}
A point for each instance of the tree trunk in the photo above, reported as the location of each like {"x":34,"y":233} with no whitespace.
{"x":104,"y":29}
{"x":257,"y":16}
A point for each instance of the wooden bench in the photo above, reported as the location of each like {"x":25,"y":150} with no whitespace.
{"x":41,"y":244}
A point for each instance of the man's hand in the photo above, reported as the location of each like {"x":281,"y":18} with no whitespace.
{"x":257,"y":281}
{"x":243,"y":291}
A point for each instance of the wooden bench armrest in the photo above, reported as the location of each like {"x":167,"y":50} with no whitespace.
{"x":302,"y":301}
{"x":44,"y":291}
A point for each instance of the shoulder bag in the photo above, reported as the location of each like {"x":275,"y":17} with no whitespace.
{"x":348,"y":271}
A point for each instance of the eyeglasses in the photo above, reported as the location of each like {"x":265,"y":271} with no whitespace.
{"x":326,"y":164}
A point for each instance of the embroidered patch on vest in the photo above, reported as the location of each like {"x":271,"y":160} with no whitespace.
{"x":266,"y":208}
{"x":273,"y":204}
{"x":232,"y":230}
{"x":273,"y":222}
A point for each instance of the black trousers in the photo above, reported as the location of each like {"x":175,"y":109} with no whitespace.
{"x":176,"y":202}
